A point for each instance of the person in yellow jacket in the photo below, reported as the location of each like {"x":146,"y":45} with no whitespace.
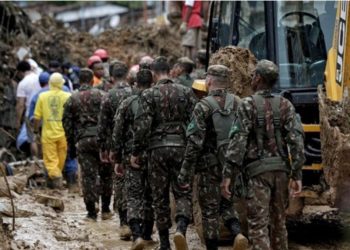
{"x":49,"y":110}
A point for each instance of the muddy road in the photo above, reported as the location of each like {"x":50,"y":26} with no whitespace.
{"x":41,"y":227}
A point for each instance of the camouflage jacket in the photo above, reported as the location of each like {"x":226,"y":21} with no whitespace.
{"x":164,"y":109}
{"x":198,"y":74}
{"x":185,"y":80}
{"x":123,"y":129}
{"x":243,"y":147}
{"x":104,"y":85}
{"x":80,"y":114}
{"x":109,"y":105}
{"x":201,"y":135}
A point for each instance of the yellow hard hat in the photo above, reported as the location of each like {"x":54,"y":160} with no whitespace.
{"x":199,"y":84}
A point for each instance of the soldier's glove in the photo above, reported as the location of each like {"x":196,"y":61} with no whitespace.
{"x":183,"y":28}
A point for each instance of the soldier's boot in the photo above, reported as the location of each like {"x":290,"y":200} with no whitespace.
{"x":240,"y":241}
{"x":211,"y":244}
{"x":106,"y":212}
{"x":56,"y":183}
{"x":124,"y":231}
{"x":135,"y":226}
{"x":164,"y":239}
{"x":72,"y":183}
{"x":180,"y":235}
{"x":147,"y":231}
{"x":90,"y":207}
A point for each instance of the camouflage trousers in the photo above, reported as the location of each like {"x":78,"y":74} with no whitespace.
{"x":91,"y":168}
{"x":139,"y":194}
{"x":163,"y":170}
{"x":266,"y":204}
{"x":212,"y":204}
{"x":120,"y":190}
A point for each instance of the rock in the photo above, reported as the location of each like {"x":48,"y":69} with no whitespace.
{"x":51,"y":201}
{"x":6,"y":210}
{"x":295,"y":207}
{"x":16,"y":183}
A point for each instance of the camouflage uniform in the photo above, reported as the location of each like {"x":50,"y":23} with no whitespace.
{"x":138,"y":191}
{"x":185,"y":80}
{"x":198,"y":74}
{"x":267,"y":189}
{"x":201,"y":151}
{"x":201,"y":147}
{"x":109,"y":105}
{"x":164,"y":111}
{"x":104,"y":85}
{"x":80,"y":125}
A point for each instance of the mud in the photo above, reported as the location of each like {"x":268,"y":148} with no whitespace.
{"x":335,"y":142}
{"x":49,"y":229}
{"x":241,"y":63}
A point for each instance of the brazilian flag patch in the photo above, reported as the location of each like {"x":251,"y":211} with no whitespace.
{"x":192,"y":127}
{"x":234,"y":129}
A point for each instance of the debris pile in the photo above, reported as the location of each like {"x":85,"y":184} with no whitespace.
{"x":49,"y":39}
{"x":241,"y":63}
{"x":335,"y":141}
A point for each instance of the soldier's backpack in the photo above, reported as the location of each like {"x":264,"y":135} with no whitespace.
{"x":170,"y":132}
{"x":264,"y":163}
{"x":222,"y":121}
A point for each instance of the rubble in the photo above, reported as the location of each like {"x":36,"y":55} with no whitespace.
{"x":241,"y":63}
{"x":335,"y":142}
{"x":51,"y":201}
{"x":17,"y":184}
{"x":6,"y":211}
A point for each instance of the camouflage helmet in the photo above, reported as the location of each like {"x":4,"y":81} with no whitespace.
{"x":218,"y":70}
{"x":267,"y":70}
{"x":185,"y":60}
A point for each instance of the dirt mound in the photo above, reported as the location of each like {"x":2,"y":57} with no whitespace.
{"x":335,"y":141}
{"x":241,"y":63}
{"x":50,"y":40}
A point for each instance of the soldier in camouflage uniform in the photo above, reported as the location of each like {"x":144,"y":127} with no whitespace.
{"x":201,"y":60}
{"x":207,"y":139}
{"x":107,"y":84}
{"x":164,"y":112}
{"x":265,"y":128}
{"x":80,"y":124}
{"x":184,"y":67}
{"x":139,"y":199}
{"x":110,"y":102}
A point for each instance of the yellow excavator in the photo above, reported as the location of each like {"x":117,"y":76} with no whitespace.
{"x":309,"y":42}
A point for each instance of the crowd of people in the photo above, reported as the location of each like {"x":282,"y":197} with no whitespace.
{"x":143,"y":132}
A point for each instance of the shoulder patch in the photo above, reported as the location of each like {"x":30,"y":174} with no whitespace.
{"x":192,"y":127}
{"x":235,"y":128}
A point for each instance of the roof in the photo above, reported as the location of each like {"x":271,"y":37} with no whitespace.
{"x":89,"y":12}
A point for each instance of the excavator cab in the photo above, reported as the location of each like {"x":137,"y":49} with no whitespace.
{"x":296,"y":35}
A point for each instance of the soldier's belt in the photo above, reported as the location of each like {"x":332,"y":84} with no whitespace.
{"x":167,"y":141}
{"x":89,"y":132}
{"x":266,"y":165}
